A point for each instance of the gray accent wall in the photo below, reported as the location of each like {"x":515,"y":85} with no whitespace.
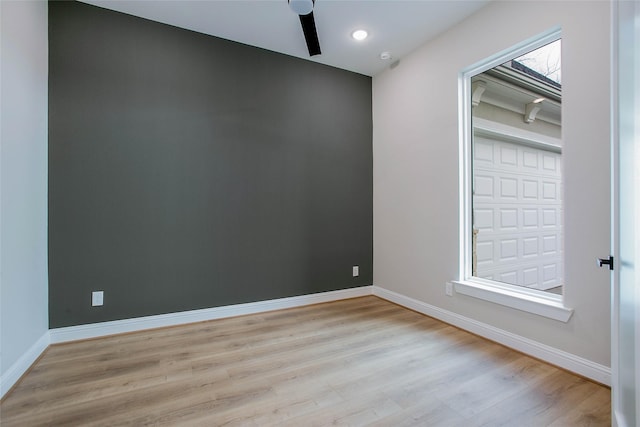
{"x":187,"y":171}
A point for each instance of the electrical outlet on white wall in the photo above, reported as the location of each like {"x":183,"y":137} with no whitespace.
{"x":448,"y":289}
{"x":356,"y":271}
{"x":97,"y":298}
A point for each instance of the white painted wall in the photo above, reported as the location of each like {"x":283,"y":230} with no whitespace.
{"x":23,"y":183}
{"x":415,"y":147}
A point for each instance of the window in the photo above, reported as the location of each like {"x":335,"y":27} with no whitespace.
{"x":511,"y":179}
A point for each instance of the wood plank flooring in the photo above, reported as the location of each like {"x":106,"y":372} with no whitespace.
{"x":362,"y":361}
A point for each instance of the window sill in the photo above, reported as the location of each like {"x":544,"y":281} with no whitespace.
{"x":525,"y":300}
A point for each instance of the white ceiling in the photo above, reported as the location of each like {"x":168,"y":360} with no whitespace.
{"x":397,"y":26}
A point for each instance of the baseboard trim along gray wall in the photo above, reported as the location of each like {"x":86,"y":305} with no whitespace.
{"x":188,"y":172}
{"x":97,"y":330}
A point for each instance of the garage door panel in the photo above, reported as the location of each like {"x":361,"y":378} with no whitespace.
{"x":530,"y":159}
{"x":484,"y":187}
{"x":549,"y":191}
{"x":510,"y":277}
{"x":484,"y":253}
{"x":508,"y":156}
{"x":484,"y":219}
{"x":518,"y":214}
{"x":529,"y":189}
{"x":550,"y":244}
{"x":508,"y":219}
{"x":530,"y":247}
{"x":508,"y":188}
{"x":483,"y":151}
{"x":508,"y":249}
{"x":529,"y":218}
{"x":550,"y":217}
{"x":549,"y":163}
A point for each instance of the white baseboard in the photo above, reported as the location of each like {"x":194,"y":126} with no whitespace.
{"x":17,"y":370}
{"x":95,"y":330}
{"x":579,"y":365}
{"x":568,"y":361}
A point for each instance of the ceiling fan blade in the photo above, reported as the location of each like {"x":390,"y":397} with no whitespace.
{"x":310,"y":34}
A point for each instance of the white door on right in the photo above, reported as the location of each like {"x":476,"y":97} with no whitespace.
{"x":626,"y":247}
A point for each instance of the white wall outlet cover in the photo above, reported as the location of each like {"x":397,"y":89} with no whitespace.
{"x":97,"y":298}
{"x":356,"y":271}
{"x":448,"y":289}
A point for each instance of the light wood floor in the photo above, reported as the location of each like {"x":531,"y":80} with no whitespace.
{"x":362,"y":361}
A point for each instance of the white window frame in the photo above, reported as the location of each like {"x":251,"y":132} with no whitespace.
{"x":526,"y":299}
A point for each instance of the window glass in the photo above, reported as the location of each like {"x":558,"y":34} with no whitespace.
{"x":516,"y":162}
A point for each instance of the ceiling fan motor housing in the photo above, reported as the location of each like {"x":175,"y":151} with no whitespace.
{"x":301,"y":7}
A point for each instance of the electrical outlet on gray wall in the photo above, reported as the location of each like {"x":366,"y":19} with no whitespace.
{"x":97,"y":298}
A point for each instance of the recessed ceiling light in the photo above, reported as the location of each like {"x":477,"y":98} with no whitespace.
{"x":385,"y":56}
{"x":538,"y":100}
{"x":359,"y":35}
